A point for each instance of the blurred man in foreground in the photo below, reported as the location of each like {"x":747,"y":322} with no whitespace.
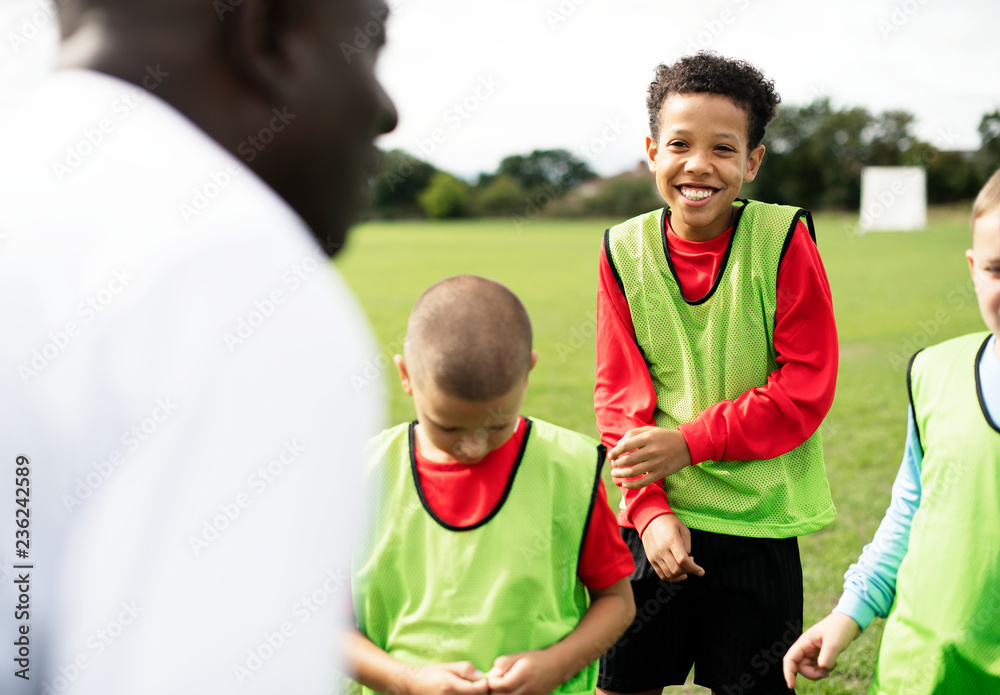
{"x":175,"y":374}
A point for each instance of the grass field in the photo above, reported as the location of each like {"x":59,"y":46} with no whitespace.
{"x":893,"y":294}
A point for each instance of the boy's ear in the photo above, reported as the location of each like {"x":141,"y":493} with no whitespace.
{"x":972,"y":265}
{"x":651,"y":150}
{"x":534,"y":359}
{"x":753,"y":163}
{"x":404,"y":374}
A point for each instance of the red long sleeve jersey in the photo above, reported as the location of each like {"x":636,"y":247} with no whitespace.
{"x":762,"y":423}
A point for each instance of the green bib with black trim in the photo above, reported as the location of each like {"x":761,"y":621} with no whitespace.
{"x":943,"y":631}
{"x":427,"y":592}
{"x":715,"y":349}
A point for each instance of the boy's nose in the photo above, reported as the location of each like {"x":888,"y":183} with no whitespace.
{"x":697,"y":162}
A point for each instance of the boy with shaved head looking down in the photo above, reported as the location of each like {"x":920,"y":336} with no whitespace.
{"x":493,"y":563}
{"x":177,"y":352}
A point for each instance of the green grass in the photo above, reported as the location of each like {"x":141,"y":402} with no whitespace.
{"x":893,"y":294}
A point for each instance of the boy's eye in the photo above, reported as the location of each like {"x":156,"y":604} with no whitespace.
{"x":676,"y":143}
{"x":725,"y":148}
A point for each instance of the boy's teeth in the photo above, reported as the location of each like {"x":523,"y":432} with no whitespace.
{"x":696,"y":193}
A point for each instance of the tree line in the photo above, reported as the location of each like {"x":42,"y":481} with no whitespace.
{"x":814,"y":158}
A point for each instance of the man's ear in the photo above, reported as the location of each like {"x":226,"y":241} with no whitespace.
{"x":254,"y":35}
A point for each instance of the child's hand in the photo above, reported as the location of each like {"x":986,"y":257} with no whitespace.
{"x":459,"y":678}
{"x":525,"y":673}
{"x":668,"y":547}
{"x":827,"y":639}
{"x":648,"y":454}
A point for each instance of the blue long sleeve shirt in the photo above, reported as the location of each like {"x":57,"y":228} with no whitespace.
{"x":870,"y":583}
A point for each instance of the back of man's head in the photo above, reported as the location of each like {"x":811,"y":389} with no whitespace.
{"x":284,"y":85}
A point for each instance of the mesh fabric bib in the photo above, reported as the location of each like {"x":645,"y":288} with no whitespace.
{"x":943,"y":632}
{"x":714,"y":349}
{"x":428,"y":592}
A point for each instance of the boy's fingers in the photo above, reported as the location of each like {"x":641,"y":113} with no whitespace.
{"x":690,"y":565}
{"x":828,"y":654}
{"x":790,"y":664}
{"x":467,"y":670}
{"x":501,"y":665}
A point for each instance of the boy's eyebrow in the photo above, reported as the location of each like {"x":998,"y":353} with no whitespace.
{"x":722,"y":134}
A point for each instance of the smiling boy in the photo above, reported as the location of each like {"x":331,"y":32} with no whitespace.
{"x":716,"y":364}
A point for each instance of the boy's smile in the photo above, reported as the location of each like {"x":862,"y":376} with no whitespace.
{"x":701,"y":161}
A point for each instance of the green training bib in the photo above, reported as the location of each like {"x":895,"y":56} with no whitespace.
{"x":427,"y":592}
{"x":714,"y":349}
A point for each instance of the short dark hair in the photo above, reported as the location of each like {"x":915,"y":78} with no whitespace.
{"x":471,"y":336}
{"x":710,"y":73}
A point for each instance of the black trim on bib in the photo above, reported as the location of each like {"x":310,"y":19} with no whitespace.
{"x":725,"y":259}
{"x":802,"y":212}
{"x":979,"y":385}
{"x":611,"y":262}
{"x":503,"y":498}
{"x":602,"y":453}
{"x":909,"y":391}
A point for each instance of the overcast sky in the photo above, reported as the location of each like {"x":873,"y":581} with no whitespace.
{"x":476,"y":80}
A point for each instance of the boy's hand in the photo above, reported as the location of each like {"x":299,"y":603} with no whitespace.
{"x":526,"y":673}
{"x":459,"y":678}
{"x":648,"y":454}
{"x":815,"y":653}
{"x":668,"y":546}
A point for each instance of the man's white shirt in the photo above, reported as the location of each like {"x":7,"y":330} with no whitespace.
{"x":180,"y":365}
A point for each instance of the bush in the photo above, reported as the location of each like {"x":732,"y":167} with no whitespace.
{"x":445,"y":197}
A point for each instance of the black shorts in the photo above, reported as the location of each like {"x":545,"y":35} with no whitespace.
{"x":734,"y":624}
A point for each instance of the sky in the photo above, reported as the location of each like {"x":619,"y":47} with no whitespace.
{"x":477,"y":80}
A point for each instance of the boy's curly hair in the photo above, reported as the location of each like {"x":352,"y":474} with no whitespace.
{"x":708,"y":72}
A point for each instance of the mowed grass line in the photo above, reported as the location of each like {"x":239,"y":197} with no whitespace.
{"x":893,"y":294}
